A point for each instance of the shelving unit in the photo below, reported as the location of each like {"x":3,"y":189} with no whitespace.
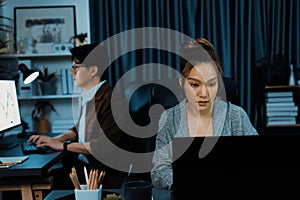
{"x":61,"y":102}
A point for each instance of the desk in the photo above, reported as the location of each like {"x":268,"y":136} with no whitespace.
{"x":30,"y":176}
{"x":157,"y":193}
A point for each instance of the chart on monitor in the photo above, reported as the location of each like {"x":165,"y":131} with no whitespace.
{"x":9,"y":109}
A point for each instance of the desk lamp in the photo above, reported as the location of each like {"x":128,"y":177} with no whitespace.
{"x":29,"y":75}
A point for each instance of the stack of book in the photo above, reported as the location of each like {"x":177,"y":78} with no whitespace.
{"x":67,"y":83}
{"x":62,"y":125}
{"x":281,"y":108}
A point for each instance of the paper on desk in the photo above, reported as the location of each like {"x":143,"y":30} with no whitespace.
{"x":12,"y":159}
{"x":6,"y":165}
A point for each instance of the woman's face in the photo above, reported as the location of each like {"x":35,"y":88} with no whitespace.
{"x":201,"y":86}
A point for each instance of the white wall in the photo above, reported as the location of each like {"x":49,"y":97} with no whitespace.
{"x":81,"y":8}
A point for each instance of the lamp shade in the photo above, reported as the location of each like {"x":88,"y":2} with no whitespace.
{"x":28,"y":74}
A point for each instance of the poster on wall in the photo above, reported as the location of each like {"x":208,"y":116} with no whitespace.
{"x":43,"y":30}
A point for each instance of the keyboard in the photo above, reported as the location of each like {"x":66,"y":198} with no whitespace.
{"x":31,"y":148}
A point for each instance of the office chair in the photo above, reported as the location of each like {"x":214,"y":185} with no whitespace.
{"x":141,"y":97}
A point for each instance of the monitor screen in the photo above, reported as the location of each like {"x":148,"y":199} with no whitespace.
{"x":235,"y":163}
{"x":9,"y":108}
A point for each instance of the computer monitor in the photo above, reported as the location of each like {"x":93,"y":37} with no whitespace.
{"x":247,"y":165}
{"x":9,"y":110}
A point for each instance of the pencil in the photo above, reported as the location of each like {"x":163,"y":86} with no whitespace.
{"x":86,"y":177}
{"x":75,"y":176}
{"x":99,"y":179}
{"x":102,"y":177}
{"x":91,"y":181}
{"x":75,"y":181}
{"x":95,"y":180}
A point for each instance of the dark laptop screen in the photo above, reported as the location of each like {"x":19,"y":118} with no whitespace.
{"x":244,"y":163}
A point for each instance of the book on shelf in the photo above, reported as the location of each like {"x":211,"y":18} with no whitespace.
{"x":62,"y":125}
{"x":282,"y":108}
{"x":64,"y":81}
{"x":279,"y":104}
{"x":282,"y":113}
{"x":278,"y":118}
{"x":70,"y":81}
{"x":63,"y":121}
{"x":279,"y":99}
{"x":67,"y":82}
{"x":281,"y":122}
{"x":279,"y":94}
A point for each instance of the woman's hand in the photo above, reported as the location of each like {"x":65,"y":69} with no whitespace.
{"x":42,"y":140}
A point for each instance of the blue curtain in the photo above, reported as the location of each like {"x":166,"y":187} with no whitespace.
{"x":242,"y":32}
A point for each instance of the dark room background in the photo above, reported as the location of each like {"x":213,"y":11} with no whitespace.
{"x":243,"y":32}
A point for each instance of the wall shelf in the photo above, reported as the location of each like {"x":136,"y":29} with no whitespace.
{"x":285,"y":125}
{"x":282,"y":86}
{"x":11,"y":56}
{"x":49,"y":97}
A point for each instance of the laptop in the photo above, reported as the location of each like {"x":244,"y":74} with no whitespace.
{"x":236,"y":165}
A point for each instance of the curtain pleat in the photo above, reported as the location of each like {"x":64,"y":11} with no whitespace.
{"x":241,"y":31}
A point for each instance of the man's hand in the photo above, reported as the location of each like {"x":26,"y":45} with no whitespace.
{"x":42,"y":140}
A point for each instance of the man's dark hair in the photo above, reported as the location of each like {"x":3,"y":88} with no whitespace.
{"x":81,"y":52}
{"x":97,"y":56}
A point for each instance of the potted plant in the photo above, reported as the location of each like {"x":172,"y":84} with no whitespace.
{"x":46,"y":81}
{"x":40,"y":115}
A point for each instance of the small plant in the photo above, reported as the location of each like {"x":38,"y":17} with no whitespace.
{"x":41,"y":110}
{"x":113,"y":197}
{"x":44,"y":75}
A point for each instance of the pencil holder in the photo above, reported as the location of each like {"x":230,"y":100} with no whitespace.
{"x":85,"y":194}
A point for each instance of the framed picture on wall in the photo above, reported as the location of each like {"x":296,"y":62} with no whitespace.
{"x":44,"y":29}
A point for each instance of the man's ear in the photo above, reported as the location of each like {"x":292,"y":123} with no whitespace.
{"x":94,"y":70}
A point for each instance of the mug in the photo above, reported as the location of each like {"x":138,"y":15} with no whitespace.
{"x":137,"y":190}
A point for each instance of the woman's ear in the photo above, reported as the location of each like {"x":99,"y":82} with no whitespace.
{"x":181,"y":81}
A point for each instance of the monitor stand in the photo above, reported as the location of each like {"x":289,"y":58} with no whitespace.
{"x":7,"y":145}
{"x":24,"y":134}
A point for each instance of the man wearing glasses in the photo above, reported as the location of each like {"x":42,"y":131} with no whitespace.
{"x":96,"y":120}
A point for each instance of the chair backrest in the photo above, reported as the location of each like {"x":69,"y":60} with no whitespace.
{"x":141,"y":97}
{"x":232,"y":91}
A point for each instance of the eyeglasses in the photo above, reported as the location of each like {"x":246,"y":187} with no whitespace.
{"x":77,"y":66}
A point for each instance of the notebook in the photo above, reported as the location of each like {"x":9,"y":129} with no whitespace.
{"x":6,"y":162}
{"x":247,"y":164}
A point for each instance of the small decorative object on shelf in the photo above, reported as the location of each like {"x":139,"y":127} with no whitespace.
{"x":80,"y":39}
{"x":40,"y":114}
{"x":47,"y":80}
{"x":292,"y":77}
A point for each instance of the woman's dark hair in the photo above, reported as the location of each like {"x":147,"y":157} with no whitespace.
{"x":199,"y":50}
